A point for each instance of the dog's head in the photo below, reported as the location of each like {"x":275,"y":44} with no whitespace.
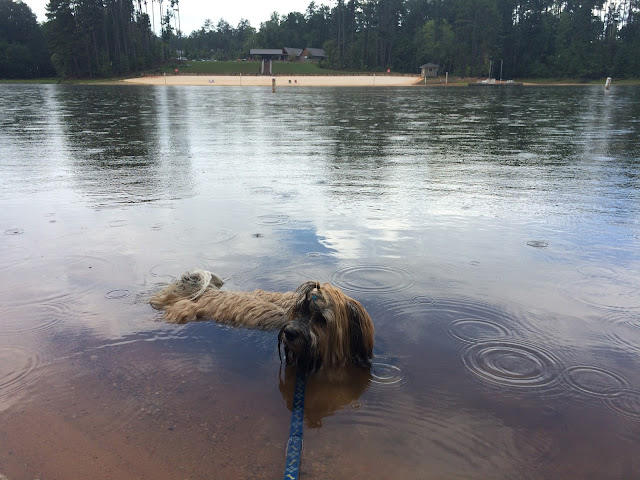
{"x":326,"y":327}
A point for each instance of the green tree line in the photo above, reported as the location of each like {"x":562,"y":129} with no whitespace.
{"x":99,"y":37}
{"x":22,"y":52}
{"x":528,"y":38}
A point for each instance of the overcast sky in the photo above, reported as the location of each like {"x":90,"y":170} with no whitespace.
{"x":194,"y":12}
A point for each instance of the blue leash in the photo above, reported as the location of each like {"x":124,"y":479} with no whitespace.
{"x":294,"y":445}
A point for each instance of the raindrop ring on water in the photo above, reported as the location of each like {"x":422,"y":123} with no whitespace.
{"x":538,"y":243}
{"x":589,"y":271}
{"x":272,"y":219}
{"x":117,"y":294}
{"x":373,"y":279}
{"x":512,"y":364}
{"x":473,"y":330}
{"x":626,"y":403}
{"x":424,"y":300}
{"x":385,"y":374}
{"x":604,"y":288}
{"x":595,"y":381}
{"x":18,"y":370}
{"x":22,"y":319}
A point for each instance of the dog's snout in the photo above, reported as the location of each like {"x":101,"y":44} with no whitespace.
{"x":290,"y":333}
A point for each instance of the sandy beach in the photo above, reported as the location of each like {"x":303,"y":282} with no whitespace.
{"x":381,"y":80}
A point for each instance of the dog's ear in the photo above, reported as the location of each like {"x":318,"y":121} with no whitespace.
{"x":304,"y":289}
{"x":216,"y":281}
{"x":301,"y":305}
{"x":360,"y":334}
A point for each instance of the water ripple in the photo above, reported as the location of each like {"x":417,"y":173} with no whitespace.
{"x":424,"y":300}
{"x":30,"y":318}
{"x":604,"y":288}
{"x":373,"y":279}
{"x":272,"y":219}
{"x":18,"y":370}
{"x":281,"y":279}
{"x":538,"y":243}
{"x":620,"y":330}
{"x":386,"y":374}
{"x":113,"y":294}
{"x":626,"y":403}
{"x":473,"y":330}
{"x":512,"y":364}
{"x":13,"y":257}
{"x":595,"y":381}
{"x":78,"y":274}
{"x":153,"y":273}
{"x":469,"y":320}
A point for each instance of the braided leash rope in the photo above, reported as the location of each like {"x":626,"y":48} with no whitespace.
{"x":294,"y":445}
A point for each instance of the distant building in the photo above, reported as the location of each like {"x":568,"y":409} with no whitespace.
{"x":429,"y":70}
{"x":293,"y":53}
{"x":313,"y":54}
{"x":269,"y":53}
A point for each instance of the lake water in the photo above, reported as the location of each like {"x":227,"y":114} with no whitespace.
{"x":493,"y":234}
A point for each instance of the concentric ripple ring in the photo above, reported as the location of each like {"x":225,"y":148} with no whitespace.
{"x":473,"y":330}
{"x":385,"y":374}
{"x":373,"y":279}
{"x":272,"y":219}
{"x":626,"y":404}
{"x":595,"y":381}
{"x":512,"y":364}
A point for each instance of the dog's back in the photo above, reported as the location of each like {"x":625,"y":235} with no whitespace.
{"x":197,"y":296}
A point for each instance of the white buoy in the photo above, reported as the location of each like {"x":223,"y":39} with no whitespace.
{"x":607,"y":84}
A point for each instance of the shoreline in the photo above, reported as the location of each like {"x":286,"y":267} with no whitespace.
{"x":371,"y":80}
{"x":363,"y":80}
{"x":281,"y":80}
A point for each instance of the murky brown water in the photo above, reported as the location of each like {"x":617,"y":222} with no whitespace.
{"x":492,"y":234}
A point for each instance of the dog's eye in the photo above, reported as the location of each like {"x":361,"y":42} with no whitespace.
{"x":320,"y":320}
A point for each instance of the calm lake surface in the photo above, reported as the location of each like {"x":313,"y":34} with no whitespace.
{"x":493,"y":234}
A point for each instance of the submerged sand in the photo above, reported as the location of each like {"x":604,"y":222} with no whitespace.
{"x":282,"y":80}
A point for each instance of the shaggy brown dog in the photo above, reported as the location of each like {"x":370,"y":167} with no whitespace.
{"x":319,"y":325}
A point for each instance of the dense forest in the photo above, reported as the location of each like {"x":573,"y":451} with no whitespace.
{"x":528,"y":38}
{"x":21,"y":43}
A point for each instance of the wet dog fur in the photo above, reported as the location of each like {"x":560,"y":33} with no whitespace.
{"x":318,"y":325}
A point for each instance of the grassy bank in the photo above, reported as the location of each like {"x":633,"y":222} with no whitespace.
{"x":29,"y":80}
{"x":248,"y":67}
